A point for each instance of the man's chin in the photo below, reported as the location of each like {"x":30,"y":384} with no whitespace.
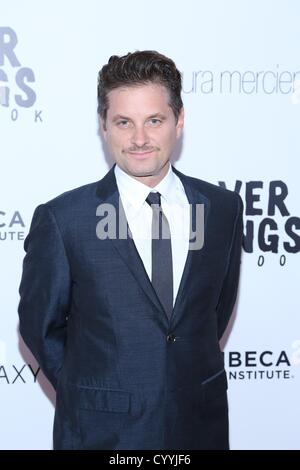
{"x":142,"y":172}
{"x":145,"y":172}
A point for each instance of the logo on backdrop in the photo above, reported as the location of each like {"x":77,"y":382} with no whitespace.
{"x":274,"y":81}
{"x":12,"y":226}
{"x":11,"y":374}
{"x":20,"y":373}
{"x":17,"y":81}
{"x":269,"y":226}
{"x":263,"y":365}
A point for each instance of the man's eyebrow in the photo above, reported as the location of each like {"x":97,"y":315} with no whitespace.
{"x":157,"y":115}
{"x":117,"y":117}
{"x":120,"y":116}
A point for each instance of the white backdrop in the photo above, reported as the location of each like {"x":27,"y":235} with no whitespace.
{"x":241,"y":75}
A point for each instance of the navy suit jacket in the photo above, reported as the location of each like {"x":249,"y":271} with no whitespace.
{"x":127,"y":376}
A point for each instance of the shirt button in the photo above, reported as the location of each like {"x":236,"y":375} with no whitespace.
{"x":171,"y":338}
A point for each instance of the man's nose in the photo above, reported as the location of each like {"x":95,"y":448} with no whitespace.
{"x":140,"y":136}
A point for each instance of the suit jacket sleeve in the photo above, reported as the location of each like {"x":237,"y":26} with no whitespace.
{"x":45,"y":292}
{"x":230,"y":284}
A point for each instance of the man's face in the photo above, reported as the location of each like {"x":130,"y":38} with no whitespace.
{"x":141,"y":131}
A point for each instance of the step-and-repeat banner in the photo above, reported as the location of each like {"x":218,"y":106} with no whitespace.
{"x":241,"y":89}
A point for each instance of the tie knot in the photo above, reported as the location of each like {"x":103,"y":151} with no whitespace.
{"x":153,"y":198}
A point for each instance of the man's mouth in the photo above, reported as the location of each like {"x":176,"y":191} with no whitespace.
{"x":140,"y":154}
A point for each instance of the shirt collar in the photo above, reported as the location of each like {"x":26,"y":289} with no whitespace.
{"x":167,"y":186}
{"x":134,"y":192}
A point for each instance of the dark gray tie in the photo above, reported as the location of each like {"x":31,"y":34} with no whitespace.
{"x":162,"y":267}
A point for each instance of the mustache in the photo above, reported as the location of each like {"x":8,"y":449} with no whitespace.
{"x":143,"y":148}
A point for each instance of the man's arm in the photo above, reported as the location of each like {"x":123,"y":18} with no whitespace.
{"x":45,"y":293}
{"x":230,"y":284}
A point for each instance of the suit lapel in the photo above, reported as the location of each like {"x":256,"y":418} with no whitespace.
{"x":108,"y":193}
{"x":193,"y":260}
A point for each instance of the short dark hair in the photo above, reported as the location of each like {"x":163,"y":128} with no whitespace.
{"x":139,"y":68}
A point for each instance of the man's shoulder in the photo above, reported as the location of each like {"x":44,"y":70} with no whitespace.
{"x":73,"y":197}
{"x":209,"y":190}
{"x":81,"y":196}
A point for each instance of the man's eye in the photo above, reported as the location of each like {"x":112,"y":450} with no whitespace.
{"x":154,"y":122}
{"x":123,"y":123}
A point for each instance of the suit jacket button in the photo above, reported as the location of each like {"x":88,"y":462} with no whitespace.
{"x":171,"y":338}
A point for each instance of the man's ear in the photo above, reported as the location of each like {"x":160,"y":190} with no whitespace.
{"x":103,"y":127}
{"x":180,"y":123}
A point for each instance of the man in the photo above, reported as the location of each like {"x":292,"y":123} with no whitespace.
{"x":127,"y":327}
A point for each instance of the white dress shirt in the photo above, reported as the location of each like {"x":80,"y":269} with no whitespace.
{"x":138,"y":213}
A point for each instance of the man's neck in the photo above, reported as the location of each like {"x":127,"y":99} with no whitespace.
{"x":152,"y":180}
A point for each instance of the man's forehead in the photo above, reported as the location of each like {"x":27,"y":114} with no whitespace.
{"x":139,"y":89}
{"x":151,"y":98}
